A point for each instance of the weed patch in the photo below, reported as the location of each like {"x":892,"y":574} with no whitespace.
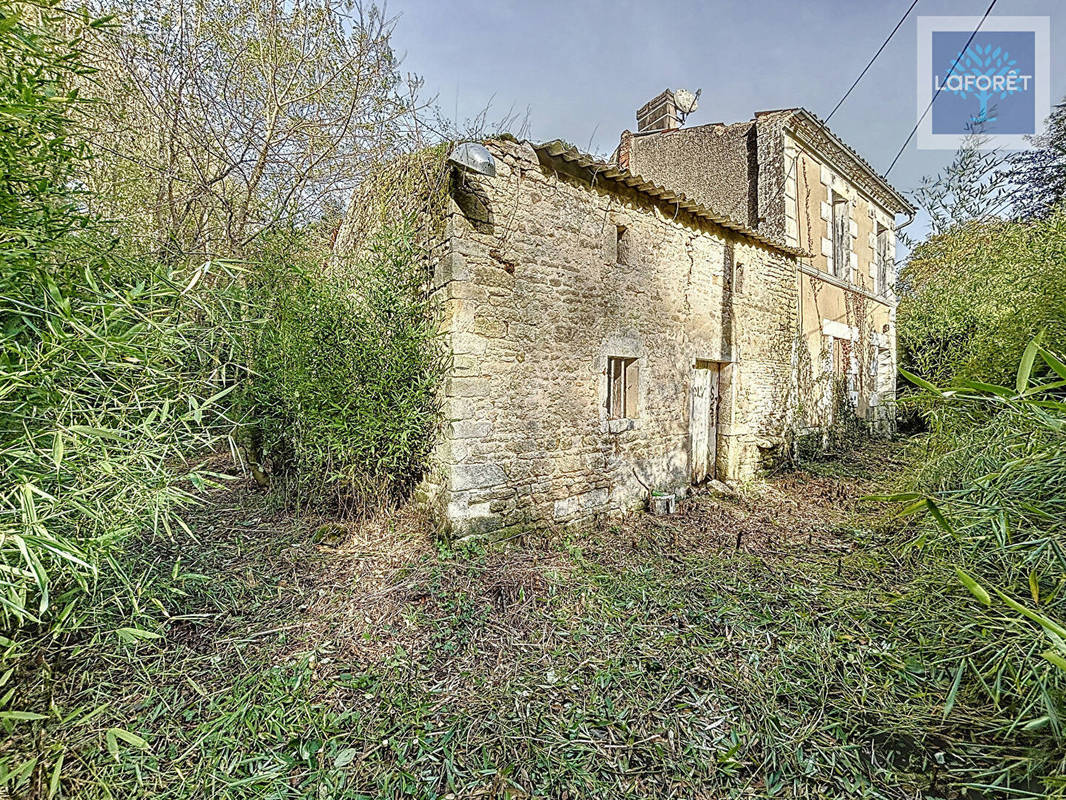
{"x":652,"y":657}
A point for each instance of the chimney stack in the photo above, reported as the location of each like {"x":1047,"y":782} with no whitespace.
{"x":659,"y":114}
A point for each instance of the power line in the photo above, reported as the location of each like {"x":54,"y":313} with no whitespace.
{"x":823,"y":124}
{"x":871,"y":62}
{"x":951,"y":71}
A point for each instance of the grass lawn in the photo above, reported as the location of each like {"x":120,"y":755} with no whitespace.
{"x":777,"y":643}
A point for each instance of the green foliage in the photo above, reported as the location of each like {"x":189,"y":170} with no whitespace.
{"x":1039,"y":172}
{"x":342,"y":403}
{"x":977,"y":294}
{"x":117,"y":375}
{"x":231,"y":119}
{"x":983,"y":313}
{"x":993,"y":476}
{"x":973,"y":187}
{"x":38,"y":156}
{"x":104,"y":383}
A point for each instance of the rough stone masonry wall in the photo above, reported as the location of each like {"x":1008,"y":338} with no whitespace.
{"x":534,"y":301}
{"x":713,"y":164}
{"x":771,"y":181}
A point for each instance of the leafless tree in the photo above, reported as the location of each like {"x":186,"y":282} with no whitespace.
{"x":220,"y":120}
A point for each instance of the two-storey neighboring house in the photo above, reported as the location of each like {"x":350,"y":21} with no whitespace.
{"x":786,"y":175}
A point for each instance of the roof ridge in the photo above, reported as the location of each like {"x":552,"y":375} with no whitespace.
{"x":557,"y":148}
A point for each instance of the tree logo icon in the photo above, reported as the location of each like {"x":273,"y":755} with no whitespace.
{"x":984,"y":73}
{"x":990,"y":74}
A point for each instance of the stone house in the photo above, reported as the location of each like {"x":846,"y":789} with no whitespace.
{"x":614,"y":334}
{"x":599,"y":352}
{"x":786,"y":175}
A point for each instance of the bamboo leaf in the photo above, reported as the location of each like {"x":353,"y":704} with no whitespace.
{"x":198,"y":273}
{"x":950,"y":702}
{"x":921,"y":382}
{"x":57,"y":449}
{"x":1057,"y":366}
{"x":1055,"y":658}
{"x":135,"y":634}
{"x":1039,"y":619}
{"x":917,"y":505}
{"x":938,"y":515}
{"x":57,"y":771}
{"x":1036,"y":724}
{"x":22,"y":716}
{"x":986,"y":388}
{"x":1025,"y":367}
{"x":975,"y":588}
{"x":345,"y":757}
{"x":1043,"y":388}
{"x":129,"y":738}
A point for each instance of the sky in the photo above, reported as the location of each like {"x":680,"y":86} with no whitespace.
{"x":582,"y":68}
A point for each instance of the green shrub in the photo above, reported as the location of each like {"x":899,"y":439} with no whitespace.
{"x":993,"y":476}
{"x":976,"y":295}
{"x":979,"y":300}
{"x":342,"y":405}
{"x":105,"y":386}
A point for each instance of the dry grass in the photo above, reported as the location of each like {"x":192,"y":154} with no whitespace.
{"x":739,"y":648}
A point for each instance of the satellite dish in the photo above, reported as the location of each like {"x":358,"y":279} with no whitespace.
{"x":474,"y":157}
{"x":686,"y":101}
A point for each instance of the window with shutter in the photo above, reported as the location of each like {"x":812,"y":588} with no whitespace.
{"x":841,"y":238}
{"x":882,"y":259}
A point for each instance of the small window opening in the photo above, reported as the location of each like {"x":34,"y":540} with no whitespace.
{"x":622,"y":243}
{"x":738,"y":279}
{"x":841,"y":237}
{"x":623,"y":380}
{"x":841,"y":357}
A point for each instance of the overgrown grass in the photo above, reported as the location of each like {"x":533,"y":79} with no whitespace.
{"x":805,"y":657}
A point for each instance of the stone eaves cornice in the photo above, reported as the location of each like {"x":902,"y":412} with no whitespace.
{"x":815,"y":134}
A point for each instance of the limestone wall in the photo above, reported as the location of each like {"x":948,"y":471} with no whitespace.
{"x":763,"y":172}
{"x":844,"y":304}
{"x":535,"y":297}
{"x":714,"y":164}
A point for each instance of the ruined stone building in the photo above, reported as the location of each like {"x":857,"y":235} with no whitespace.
{"x":622,"y":329}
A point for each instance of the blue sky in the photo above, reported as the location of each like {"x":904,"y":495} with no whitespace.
{"x":583,"y":68}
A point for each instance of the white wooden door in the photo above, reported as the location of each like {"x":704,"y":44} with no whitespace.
{"x":703,"y":421}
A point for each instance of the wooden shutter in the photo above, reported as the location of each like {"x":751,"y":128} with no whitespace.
{"x":632,"y":383}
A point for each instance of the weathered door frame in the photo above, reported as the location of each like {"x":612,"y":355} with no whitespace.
{"x":704,"y":401}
